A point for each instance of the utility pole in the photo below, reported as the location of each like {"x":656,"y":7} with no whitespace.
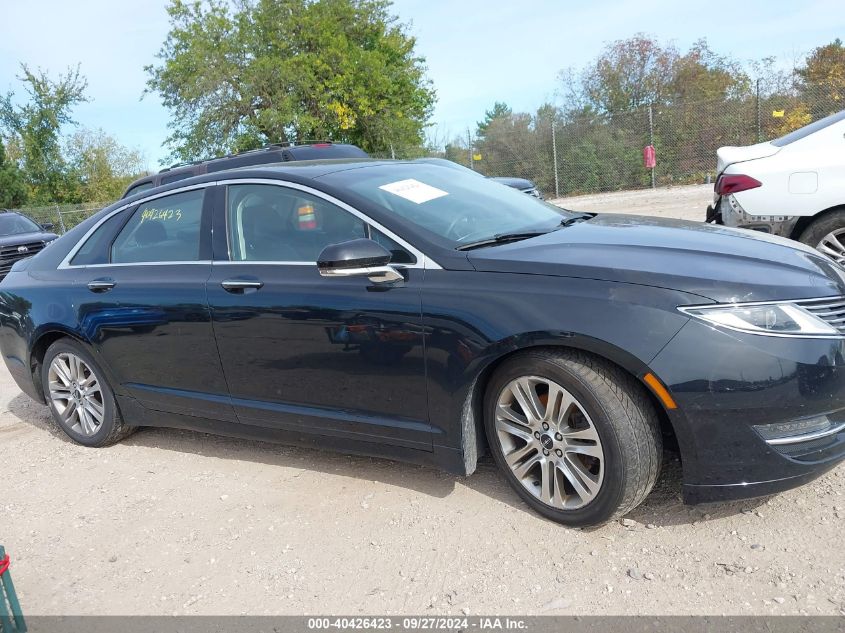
{"x":554,"y":159}
{"x":651,"y":138}
{"x":469,"y":150}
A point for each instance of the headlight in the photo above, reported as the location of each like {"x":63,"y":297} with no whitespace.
{"x":771,"y":319}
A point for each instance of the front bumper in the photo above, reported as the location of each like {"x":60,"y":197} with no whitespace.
{"x":727,"y":383}
{"x":727,"y":210}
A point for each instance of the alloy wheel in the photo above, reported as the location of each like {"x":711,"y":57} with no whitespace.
{"x":76,"y":394}
{"x":833,"y":244}
{"x":549,"y":442}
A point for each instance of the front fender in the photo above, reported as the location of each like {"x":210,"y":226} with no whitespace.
{"x":469,"y":329}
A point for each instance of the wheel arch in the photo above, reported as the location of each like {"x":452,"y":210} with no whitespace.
{"x":805,"y":221}
{"x":41,"y":343}
{"x":474,"y":435}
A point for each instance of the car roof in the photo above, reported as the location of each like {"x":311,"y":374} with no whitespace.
{"x":296,"y":171}
{"x":277,"y":153}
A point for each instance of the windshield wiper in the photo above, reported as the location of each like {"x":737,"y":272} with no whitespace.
{"x":501,"y":238}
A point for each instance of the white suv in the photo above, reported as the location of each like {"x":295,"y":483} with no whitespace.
{"x":793,"y":186}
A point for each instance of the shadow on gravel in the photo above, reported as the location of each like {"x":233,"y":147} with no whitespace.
{"x":662,"y":508}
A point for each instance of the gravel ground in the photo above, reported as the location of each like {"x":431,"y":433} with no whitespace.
{"x":174,"y":522}
{"x":688,"y":202}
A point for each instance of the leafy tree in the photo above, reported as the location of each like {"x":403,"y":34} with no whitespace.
{"x":823,"y":79}
{"x":36,"y":126}
{"x":629,"y":74}
{"x":13,"y":191}
{"x":238,"y":75}
{"x":500,"y":110}
{"x":100,"y":168}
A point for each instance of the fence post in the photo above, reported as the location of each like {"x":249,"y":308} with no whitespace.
{"x":469,"y":150}
{"x":759,"y":120}
{"x":651,"y":138}
{"x":554,"y":159}
{"x":61,"y":220}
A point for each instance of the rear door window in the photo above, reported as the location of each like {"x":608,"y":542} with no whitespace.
{"x":166,"y":229}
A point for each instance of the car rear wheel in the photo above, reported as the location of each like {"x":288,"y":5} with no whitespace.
{"x":80,"y":399}
{"x":576,"y":437}
{"x":827,"y":234}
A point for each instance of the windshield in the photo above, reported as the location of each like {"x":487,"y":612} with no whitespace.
{"x":14,"y":224}
{"x":455,"y":204}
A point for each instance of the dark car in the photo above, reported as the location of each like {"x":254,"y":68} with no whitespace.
{"x":409,"y":310}
{"x":278,"y":153}
{"x":522,"y":184}
{"x":20,"y":237}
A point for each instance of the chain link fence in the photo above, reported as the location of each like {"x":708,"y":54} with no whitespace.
{"x":596,"y":153}
{"x":568,"y":155}
{"x":63,"y":217}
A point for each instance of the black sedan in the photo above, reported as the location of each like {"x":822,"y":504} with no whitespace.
{"x":409,"y":310}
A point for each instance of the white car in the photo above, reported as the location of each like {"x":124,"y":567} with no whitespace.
{"x":793,"y":186}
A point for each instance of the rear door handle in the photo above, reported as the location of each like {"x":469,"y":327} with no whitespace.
{"x":240,"y":285}
{"x":101,"y":285}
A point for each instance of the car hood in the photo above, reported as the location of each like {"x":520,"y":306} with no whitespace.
{"x":516,"y":183}
{"x":26,"y":238}
{"x":730,"y":154}
{"x":715,"y":262}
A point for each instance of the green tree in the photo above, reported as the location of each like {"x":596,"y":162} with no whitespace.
{"x":100,"y":168}
{"x":13,"y":191}
{"x":236,"y":76}
{"x":500,"y":110}
{"x":822,"y":79}
{"x":36,"y":127}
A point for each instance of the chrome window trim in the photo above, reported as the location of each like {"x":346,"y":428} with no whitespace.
{"x":423,"y":261}
{"x":65,"y":263}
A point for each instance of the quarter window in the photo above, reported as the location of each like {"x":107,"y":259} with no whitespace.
{"x":273,"y":223}
{"x":162,"y":230}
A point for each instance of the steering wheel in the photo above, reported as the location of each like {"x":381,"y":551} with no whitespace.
{"x":455,"y":232}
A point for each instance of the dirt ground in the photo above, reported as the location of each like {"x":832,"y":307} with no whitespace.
{"x":175,"y":522}
{"x":688,"y":202}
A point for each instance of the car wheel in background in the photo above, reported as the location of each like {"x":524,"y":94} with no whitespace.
{"x":80,"y":399}
{"x":576,"y":437}
{"x":827,"y":234}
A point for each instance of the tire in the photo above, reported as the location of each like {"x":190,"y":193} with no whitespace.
{"x":78,"y":377}
{"x":828,"y":224}
{"x":606,"y":457}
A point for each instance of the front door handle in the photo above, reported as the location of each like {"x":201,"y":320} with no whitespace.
{"x":241,"y":285}
{"x":101,"y":285}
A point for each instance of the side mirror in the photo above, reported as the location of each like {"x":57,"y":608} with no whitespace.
{"x":47,"y":226}
{"x":357,"y":258}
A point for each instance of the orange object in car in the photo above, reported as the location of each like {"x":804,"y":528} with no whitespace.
{"x":307,"y":218}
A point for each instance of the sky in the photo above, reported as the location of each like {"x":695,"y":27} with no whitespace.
{"x":477,"y":52}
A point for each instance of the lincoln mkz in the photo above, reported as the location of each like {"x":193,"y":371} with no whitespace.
{"x":422,"y":313}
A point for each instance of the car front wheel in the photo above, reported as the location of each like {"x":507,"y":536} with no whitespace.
{"x":80,"y":399}
{"x":576,"y":437}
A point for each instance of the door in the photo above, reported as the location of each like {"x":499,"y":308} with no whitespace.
{"x":329,"y":356}
{"x":141,"y":300}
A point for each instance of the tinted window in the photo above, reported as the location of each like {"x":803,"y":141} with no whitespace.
{"x":270,"y":223}
{"x":453,"y":204}
{"x":95,"y":250}
{"x":805,"y":131}
{"x":400,"y":254}
{"x":143,"y":186}
{"x":166,"y":180}
{"x":14,"y":224}
{"x":162,"y":230}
